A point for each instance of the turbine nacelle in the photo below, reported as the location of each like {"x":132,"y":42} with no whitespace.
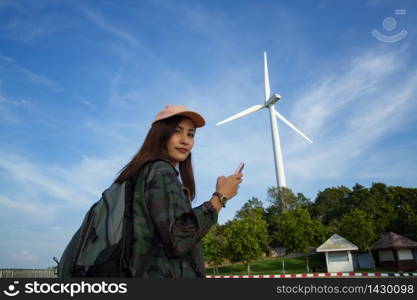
{"x":272,"y":100}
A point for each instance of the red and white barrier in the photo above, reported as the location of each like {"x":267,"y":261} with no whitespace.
{"x":317,"y":275}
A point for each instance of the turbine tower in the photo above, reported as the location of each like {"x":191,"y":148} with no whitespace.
{"x":270,"y":104}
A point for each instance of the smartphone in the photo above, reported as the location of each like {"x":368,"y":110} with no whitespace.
{"x":240,"y":168}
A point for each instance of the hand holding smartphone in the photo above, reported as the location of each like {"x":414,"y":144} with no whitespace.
{"x":240,"y":168}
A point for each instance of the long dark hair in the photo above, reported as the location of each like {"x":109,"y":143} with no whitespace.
{"x":155,"y":147}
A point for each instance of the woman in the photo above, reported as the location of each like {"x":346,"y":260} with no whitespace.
{"x":167,"y":230}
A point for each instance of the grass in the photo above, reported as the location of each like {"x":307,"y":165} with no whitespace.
{"x":270,"y":265}
{"x":273,"y":265}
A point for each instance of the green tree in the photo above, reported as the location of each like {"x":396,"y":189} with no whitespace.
{"x":252,"y":206}
{"x":379,"y":208}
{"x":282,"y":198}
{"x":214,"y":244}
{"x":411,"y":222}
{"x":358,"y":228}
{"x":329,"y":203}
{"x":389,"y":208}
{"x":270,"y":214}
{"x":246,"y":238}
{"x":405,"y":202}
{"x":303,"y":201}
{"x":297,"y":232}
{"x":357,"y":197}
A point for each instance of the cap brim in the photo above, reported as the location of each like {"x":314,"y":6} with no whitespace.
{"x":197,"y":119}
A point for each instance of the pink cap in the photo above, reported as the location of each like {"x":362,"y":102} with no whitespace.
{"x":179,"y":110}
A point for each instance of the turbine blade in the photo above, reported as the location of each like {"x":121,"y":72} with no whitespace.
{"x":242,"y":113}
{"x":292,"y":126}
{"x":266,"y":78}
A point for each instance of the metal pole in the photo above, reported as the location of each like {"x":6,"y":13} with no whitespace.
{"x":279,"y":164}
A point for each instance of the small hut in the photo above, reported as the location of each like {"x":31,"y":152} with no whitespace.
{"x":394,"y":252}
{"x":338,"y":254}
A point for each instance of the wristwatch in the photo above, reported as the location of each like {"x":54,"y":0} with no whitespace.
{"x":221,"y":197}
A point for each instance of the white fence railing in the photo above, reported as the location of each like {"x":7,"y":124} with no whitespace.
{"x":27,"y":273}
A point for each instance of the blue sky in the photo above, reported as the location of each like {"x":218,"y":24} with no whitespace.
{"x":81,"y":81}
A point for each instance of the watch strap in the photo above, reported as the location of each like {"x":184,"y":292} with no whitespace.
{"x":222,"y":198}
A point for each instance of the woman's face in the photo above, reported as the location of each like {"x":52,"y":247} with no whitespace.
{"x":181,"y":142}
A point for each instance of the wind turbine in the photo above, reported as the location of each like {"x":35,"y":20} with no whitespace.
{"x":269,"y":103}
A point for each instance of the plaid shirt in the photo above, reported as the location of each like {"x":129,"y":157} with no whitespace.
{"x":166,"y":224}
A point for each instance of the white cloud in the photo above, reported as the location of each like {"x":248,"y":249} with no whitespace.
{"x":122,"y":34}
{"x":92,"y":175}
{"x":23,"y":256}
{"x":7,"y":3}
{"x":39,"y":79}
{"x":31,"y":76}
{"x":87,"y":103}
{"x":120,"y":96}
{"x":8,"y":108}
{"x":332,"y":92}
{"x":32,"y":20}
{"x":348,"y":113}
{"x":77,"y":186}
{"x":6,"y":58}
{"x":39,"y":211}
{"x":101,"y":22}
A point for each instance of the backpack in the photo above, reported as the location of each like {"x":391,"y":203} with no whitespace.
{"x":102,"y":246}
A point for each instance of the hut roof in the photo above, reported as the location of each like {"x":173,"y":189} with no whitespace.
{"x":392,"y":240}
{"x":336,"y":243}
